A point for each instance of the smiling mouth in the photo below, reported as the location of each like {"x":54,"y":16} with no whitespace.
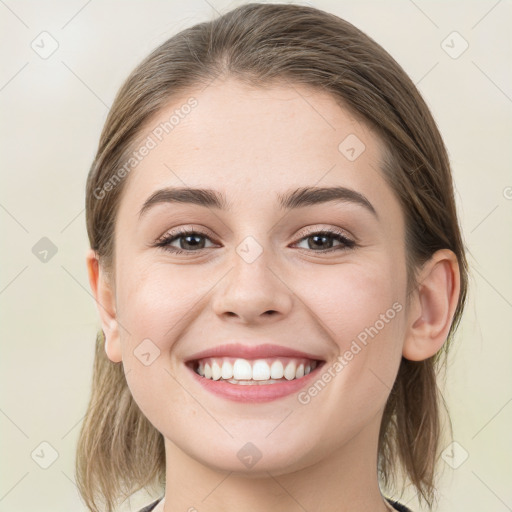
{"x":254,"y":372}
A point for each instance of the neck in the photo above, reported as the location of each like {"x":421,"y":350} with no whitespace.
{"x":342,"y":480}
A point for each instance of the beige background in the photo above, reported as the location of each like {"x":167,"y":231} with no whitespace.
{"x":53,"y":110}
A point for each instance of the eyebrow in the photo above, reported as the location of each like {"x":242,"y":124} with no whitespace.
{"x":297,"y":198}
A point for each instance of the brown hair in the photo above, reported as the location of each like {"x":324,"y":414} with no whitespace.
{"x":119,"y":452}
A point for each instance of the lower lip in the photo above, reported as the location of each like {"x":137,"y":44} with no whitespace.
{"x":255,"y":392}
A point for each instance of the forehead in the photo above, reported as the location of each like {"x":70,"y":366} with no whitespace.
{"x":254,"y":143}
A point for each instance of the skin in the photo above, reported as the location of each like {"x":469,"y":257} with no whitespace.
{"x":250,"y":144}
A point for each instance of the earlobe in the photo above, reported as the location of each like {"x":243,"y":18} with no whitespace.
{"x":103,"y":292}
{"x":433,"y":305}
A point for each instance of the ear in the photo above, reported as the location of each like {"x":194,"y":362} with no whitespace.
{"x":432,"y":306}
{"x":105,"y":301}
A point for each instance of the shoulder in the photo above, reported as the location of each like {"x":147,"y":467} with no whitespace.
{"x":151,"y":506}
{"x":398,"y":506}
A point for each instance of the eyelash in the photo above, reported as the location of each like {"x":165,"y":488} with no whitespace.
{"x":166,"y":240}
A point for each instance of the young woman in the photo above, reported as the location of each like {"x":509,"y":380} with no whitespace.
{"x":278,"y":268}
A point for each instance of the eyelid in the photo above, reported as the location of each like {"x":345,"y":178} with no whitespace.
{"x":329,"y":228}
{"x":347,"y":240}
{"x":184,"y":230}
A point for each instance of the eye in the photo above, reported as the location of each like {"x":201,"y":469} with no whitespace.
{"x":319,"y":239}
{"x":190,"y":241}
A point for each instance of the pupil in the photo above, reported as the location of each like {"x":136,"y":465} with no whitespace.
{"x":322,"y":237}
{"x":189,"y":240}
{"x":188,"y":237}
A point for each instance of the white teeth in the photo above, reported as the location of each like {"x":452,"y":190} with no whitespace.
{"x":277,"y":370}
{"x":253,"y":382}
{"x":290,"y":371}
{"x":242,"y":371}
{"x":227,"y":370}
{"x":260,"y":370}
{"x":216,"y":371}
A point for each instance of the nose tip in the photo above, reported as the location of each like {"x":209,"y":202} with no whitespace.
{"x":253,"y":293}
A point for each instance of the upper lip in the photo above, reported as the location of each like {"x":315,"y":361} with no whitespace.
{"x":242,"y":351}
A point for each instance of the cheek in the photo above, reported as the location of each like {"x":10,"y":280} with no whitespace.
{"x":155,"y":301}
{"x":361,"y":309}
{"x":353,"y":297}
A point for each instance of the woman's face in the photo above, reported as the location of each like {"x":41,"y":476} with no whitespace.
{"x":256,"y":273}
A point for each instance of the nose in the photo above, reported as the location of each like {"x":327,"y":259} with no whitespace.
{"x":253,"y":292}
